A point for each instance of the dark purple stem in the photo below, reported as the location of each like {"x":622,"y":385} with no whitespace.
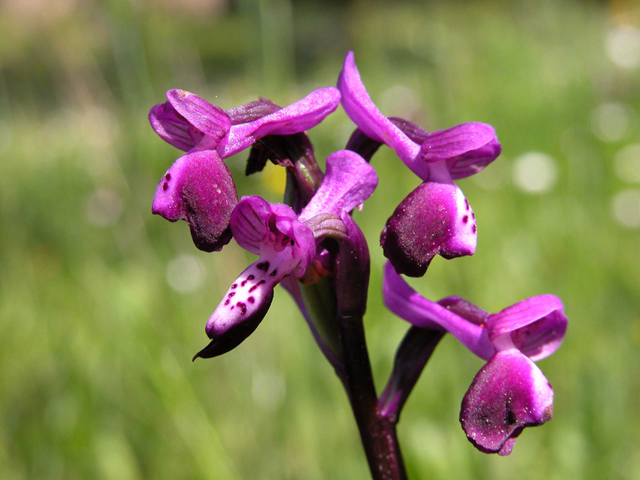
{"x":378,"y":433}
{"x":413,"y":354}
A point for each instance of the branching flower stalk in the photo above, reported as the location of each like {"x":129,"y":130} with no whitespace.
{"x":311,"y":246}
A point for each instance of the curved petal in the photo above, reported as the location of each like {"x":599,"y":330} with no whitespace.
{"x":349,"y":181}
{"x":461,"y":141}
{"x":209,"y":119}
{"x":250,"y":222}
{"x":409,"y":305}
{"x":172,"y":127}
{"x":296,"y":118}
{"x":537,"y":325}
{"x":508,"y":394}
{"x":435,"y":219}
{"x":466,"y":310}
{"x":241,"y":310}
{"x":198,"y":189}
{"x":273,"y":231}
{"x":363,"y":112}
{"x":475,"y":162}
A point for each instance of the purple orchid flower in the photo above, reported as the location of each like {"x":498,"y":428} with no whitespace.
{"x":287,"y":245}
{"x":510,"y":392}
{"x":198,"y":187}
{"x":435,"y":218}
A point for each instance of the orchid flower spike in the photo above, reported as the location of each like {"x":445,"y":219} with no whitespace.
{"x":435,"y":219}
{"x":198,"y":187}
{"x":286,"y":243}
{"x":510,"y":392}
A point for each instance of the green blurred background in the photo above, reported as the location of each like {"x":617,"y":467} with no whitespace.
{"x":102,"y":305}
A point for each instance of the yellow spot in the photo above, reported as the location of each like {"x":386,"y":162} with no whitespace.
{"x":274,"y":177}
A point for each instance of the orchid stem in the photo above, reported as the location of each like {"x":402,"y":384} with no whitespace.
{"x":378,"y":433}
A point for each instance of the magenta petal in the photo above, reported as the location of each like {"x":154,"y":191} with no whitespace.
{"x":461,"y":141}
{"x":409,"y":305}
{"x":537,"y":325}
{"x":198,"y":189}
{"x":273,"y":231}
{"x":172,"y":127}
{"x":508,"y":394}
{"x":363,"y":112}
{"x":349,"y":181}
{"x":208,"y":119}
{"x":474,"y":162}
{"x":435,"y":219}
{"x":250,"y":222}
{"x":295,"y":118}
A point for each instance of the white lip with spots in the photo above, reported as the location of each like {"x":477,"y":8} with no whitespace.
{"x":251,"y":290}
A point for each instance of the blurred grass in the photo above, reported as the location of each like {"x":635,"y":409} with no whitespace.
{"x":95,"y":342}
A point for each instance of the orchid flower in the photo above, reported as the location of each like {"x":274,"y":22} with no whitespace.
{"x":286,"y":243}
{"x":435,"y":218}
{"x":198,"y":187}
{"x":510,"y":392}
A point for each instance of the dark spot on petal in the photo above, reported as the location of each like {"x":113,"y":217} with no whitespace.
{"x":250,"y":277}
{"x":473,"y":215}
{"x":465,"y":219}
{"x":231,"y":294}
{"x":232,"y":307}
{"x":256,"y":286}
{"x":168,"y":176}
{"x":235,"y":285}
{"x":263,"y":266}
{"x":244,"y":282}
{"x":473,"y":229}
{"x":466,"y":202}
{"x":274,"y":273}
{"x":226,"y":302}
{"x":243,"y":307}
{"x":292,"y":243}
{"x":251,"y":299}
{"x":165,"y":185}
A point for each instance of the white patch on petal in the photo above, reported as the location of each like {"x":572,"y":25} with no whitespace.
{"x":465,"y":235}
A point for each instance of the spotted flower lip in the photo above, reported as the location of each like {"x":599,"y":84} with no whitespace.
{"x":198,"y":187}
{"x":286,"y":244}
{"x":510,"y":392}
{"x":419,"y":230}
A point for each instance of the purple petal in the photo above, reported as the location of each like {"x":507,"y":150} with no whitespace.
{"x":475,"y":161}
{"x":459,"y":142}
{"x":435,"y":219}
{"x":537,"y":325}
{"x":274,"y":232}
{"x":466,"y":310}
{"x":508,"y":394}
{"x":349,"y":181}
{"x":363,"y":112}
{"x":409,"y":305}
{"x":250,"y":222}
{"x":172,"y":127}
{"x":208,"y":119}
{"x":198,"y":189}
{"x":241,"y":310}
{"x":296,"y":118}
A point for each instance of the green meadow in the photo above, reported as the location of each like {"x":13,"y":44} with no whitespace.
{"x":103,"y":305}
